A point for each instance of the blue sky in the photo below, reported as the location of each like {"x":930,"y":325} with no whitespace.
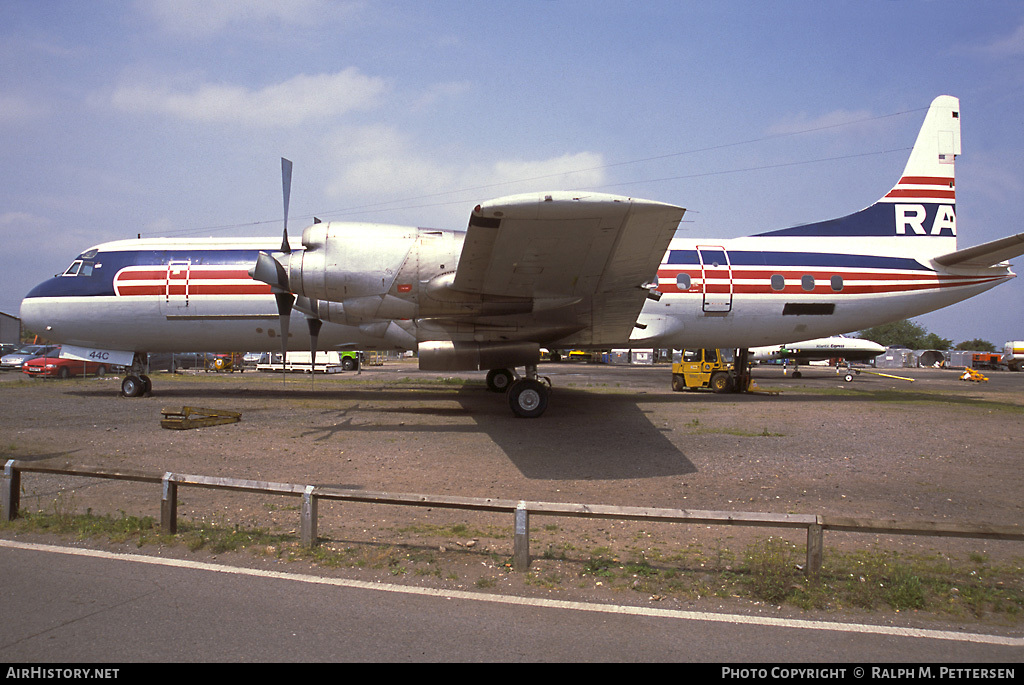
{"x":168,"y":117}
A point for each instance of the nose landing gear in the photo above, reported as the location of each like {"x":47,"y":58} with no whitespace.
{"x":137,"y":383}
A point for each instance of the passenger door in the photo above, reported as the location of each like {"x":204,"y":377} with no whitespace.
{"x":716,"y":278}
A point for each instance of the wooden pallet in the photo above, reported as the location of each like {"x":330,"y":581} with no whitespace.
{"x":195,"y":417}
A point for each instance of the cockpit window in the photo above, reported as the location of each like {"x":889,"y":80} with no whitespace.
{"x":79,"y":267}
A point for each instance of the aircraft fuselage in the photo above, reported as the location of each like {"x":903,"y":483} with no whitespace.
{"x":157,"y":296}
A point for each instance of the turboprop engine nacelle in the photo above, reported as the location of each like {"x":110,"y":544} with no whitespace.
{"x":445,"y":355}
{"x":358,"y":310}
{"x":346,"y":261}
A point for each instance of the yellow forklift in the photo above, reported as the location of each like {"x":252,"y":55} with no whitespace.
{"x":711,"y":368}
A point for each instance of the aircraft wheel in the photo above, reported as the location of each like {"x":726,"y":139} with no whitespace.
{"x":678,"y":383}
{"x":132,"y":386}
{"x":101,"y":371}
{"x":147,"y":385}
{"x":796,"y":374}
{"x":848,"y":377}
{"x":528,"y":398}
{"x":499,"y":380}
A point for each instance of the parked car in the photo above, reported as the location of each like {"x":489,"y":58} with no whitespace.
{"x":54,"y":366}
{"x":167,"y":361}
{"x":23,"y":354}
{"x":252,"y":358}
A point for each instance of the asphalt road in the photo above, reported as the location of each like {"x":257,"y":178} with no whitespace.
{"x":77,"y":606}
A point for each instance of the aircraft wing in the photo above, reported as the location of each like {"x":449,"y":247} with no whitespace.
{"x":986,"y":254}
{"x":568,"y":247}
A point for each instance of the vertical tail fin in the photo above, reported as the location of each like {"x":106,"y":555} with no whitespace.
{"x":924,"y":201}
{"x":917,"y":218}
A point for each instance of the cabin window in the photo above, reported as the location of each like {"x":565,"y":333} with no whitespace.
{"x":837,"y":283}
{"x":683,"y":281}
{"x":778,"y":282}
{"x":807,"y":282}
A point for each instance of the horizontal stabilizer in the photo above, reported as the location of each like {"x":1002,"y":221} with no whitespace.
{"x":986,"y":254}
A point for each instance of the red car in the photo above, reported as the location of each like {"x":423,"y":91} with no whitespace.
{"x":57,"y":367}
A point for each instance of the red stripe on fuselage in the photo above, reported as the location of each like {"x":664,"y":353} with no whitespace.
{"x":149,"y":280}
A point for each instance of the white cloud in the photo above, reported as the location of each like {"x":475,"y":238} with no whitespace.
{"x":15,"y":109}
{"x":379,"y":164}
{"x":289,"y":103}
{"x":23,"y":232}
{"x":1007,"y":46}
{"x":439,"y":92}
{"x":207,"y":17}
{"x":802,"y":122}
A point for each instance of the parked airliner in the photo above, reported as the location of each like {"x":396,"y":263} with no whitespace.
{"x":836,"y":347}
{"x":558,"y":270}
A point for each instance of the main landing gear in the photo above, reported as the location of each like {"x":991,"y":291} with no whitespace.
{"x":527,"y":396}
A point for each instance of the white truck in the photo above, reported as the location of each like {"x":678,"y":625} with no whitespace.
{"x":1013,"y":355}
{"x":330,"y":361}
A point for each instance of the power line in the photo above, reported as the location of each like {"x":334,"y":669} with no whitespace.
{"x":399,"y":204}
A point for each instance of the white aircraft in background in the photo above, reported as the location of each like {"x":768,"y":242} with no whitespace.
{"x":837,"y":347}
{"x":575,"y":270}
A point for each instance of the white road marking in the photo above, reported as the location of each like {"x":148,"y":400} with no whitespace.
{"x":535,"y":602}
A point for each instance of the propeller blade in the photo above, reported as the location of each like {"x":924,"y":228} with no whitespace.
{"x":286,"y":189}
{"x":314,"y":336}
{"x":284,"y":310}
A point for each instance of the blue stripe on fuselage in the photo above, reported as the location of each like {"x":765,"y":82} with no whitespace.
{"x":107,"y":264}
{"x":802,"y":259}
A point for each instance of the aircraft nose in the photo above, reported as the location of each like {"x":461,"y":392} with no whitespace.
{"x":33,"y":316}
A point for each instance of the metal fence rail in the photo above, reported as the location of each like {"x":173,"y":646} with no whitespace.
{"x":814,"y":524}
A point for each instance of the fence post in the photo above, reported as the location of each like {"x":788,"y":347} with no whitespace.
{"x":169,"y":504}
{"x":10,"y":491}
{"x":308,"y":524}
{"x":815,"y":548}
{"x":521,"y":544}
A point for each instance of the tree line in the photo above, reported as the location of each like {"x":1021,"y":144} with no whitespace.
{"x":908,"y":334}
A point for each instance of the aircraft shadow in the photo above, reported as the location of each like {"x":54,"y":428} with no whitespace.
{"x":581,"y":436}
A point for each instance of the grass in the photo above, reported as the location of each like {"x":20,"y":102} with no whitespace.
{"x":766,"y":571}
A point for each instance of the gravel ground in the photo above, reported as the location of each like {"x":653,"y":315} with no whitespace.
{"x":936,"y":449}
